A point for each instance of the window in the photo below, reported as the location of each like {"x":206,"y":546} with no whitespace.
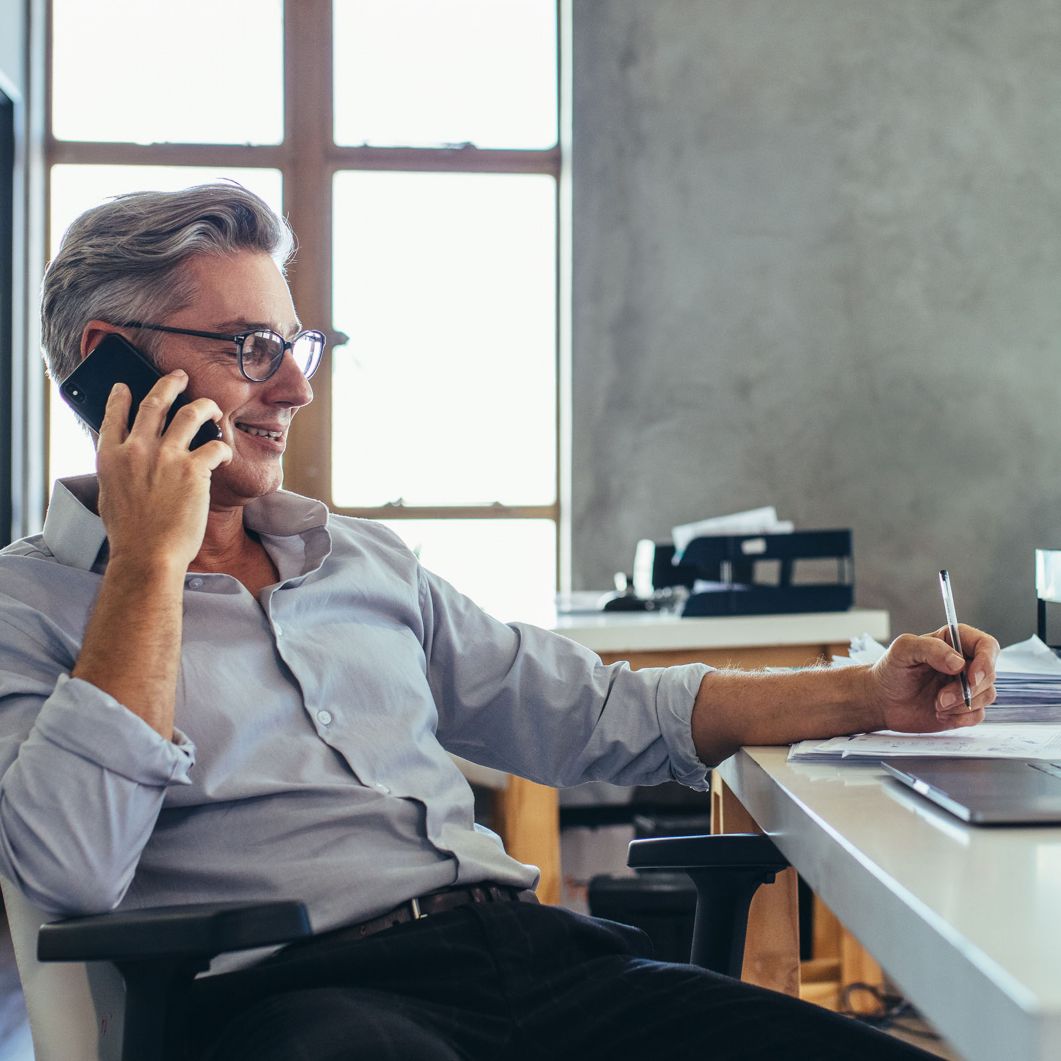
{"x":413,"y":146}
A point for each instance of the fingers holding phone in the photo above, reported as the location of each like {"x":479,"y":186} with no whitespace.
{"x":123,"y":409}
{"x":154,"y":488}
{"x":157,"y":408}
{"x":87,"y":390}
{"x":188,"y":425}
{"x":115,"y":423}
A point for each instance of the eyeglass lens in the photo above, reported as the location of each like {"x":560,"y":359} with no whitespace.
{"x":263,"y":351}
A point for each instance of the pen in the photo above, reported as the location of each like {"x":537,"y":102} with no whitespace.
{"x":952,"y":625}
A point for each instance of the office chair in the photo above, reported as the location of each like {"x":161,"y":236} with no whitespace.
{"x":104,"y":988}
{"x":109,"y":987}
{"x":726,"y":869}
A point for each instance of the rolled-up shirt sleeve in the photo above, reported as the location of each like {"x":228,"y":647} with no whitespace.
{"x":82,"y":781}
{"x":534,"y":703}
{"x":86,"y":722}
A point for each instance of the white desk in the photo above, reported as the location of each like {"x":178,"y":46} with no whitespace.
{"x":967,"y":921}
{"x":622,"y":633}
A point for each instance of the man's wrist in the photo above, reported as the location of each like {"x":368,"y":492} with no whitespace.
{"x":146,"y":571}
{"x":849,"y":696}
{"x":866,"y":699}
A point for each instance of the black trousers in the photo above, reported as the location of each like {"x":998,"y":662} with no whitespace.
{"x":507,"y":981}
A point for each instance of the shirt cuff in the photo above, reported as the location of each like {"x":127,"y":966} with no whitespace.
{"x":675,"y":697}
{"x":83,"y":720}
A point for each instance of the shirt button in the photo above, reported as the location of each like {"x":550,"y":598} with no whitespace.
{"x":379,"y":786}
{"x":278,"y":630}
{"x":195,"y":583}
{"x":324,"y":718}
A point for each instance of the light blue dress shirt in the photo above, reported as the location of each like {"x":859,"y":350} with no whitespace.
{"x":314,"y":725}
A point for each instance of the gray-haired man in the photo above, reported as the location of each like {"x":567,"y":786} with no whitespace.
{"x":214,"y":689}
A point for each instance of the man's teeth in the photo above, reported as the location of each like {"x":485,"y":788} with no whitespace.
{"x":260,"y":431}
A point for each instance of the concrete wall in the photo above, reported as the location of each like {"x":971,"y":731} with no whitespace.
{"x":817,"y":263}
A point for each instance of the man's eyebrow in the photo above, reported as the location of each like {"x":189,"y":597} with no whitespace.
{"x":241,"y":324}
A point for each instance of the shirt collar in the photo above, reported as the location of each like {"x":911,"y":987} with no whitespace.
{"x":74,"y":532}
{"x":283,"y":513}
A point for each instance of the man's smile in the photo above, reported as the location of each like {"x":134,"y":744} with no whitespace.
{"x":275,"y":433}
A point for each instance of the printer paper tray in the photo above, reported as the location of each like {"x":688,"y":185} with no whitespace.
{"x":767,"y":600}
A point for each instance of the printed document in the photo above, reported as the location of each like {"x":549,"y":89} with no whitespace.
{"x":989,"y":740}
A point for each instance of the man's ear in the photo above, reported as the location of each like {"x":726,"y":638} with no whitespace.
{"x":93,"y":333}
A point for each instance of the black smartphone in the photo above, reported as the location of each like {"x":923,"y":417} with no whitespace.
{"x":116,"y":360}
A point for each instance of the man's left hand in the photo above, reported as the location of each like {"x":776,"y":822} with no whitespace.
{"x":916,"y":686}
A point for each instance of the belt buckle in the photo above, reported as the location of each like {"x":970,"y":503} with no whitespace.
{"x":414,"y":906}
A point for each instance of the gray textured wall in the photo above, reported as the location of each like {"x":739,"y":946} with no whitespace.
{"x":817,"y":262}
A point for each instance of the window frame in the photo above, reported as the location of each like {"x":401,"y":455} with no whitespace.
{"x":308,"y":158}
{"x":11,"y":437}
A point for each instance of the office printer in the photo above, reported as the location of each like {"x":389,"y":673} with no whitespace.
{"x":752,"y":574}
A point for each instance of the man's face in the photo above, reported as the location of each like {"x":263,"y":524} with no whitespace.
{"x":239,"y":293}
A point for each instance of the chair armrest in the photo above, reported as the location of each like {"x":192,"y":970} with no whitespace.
{"x":727,"y":869}
{"x":716,"y":851}
{"x":197,"y":930}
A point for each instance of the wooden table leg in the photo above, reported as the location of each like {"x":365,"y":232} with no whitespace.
{"x":771,"y":953}
{"x":771,"y":950}
{"x":837,"y":961}
{"x":528,"y":820}
{"x":858,"y":966}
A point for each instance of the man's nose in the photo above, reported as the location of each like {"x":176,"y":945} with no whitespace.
{"x":289,"y":385}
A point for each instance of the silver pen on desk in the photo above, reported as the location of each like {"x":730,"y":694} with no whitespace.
{"x":952,"y":625}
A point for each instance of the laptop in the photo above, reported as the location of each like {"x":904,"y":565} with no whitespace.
{"x":986,"y":791}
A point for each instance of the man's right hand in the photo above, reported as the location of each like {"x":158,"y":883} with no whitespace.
{"x":154,"y":497}
{"x":154,"y":492}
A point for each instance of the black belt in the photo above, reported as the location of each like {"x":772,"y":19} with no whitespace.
{"x":419,"y":908}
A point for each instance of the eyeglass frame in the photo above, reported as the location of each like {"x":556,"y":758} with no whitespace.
{"x":239,"y":338}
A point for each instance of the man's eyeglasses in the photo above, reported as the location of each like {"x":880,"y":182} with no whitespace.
{"x":260,"y":352}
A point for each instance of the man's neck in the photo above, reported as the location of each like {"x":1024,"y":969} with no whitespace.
{"x":226,"y":544}
{"x":230,"y":549}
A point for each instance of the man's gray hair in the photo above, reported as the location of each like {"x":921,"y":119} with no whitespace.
{"x":122,"y":261}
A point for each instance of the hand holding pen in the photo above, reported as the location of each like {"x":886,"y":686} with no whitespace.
{"x":938,"y":681}
{"x":952,"y":628}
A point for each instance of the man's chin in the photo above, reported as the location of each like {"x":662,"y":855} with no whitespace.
{"x":241,"y":490}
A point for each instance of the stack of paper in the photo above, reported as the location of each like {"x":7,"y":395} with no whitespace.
{"x":1026,"y":698}
{"x":754,"y":521}
{"x":989,"y":740}
{"x":1023,"y":723}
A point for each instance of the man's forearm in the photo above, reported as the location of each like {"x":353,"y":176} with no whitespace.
{"x":734,"y":708}
{"x":133,"y":641}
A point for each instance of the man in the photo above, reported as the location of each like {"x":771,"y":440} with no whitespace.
{"x":213,"y":689}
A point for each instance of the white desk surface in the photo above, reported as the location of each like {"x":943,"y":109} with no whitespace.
{"x":966,"y":920}
{"x":661,"y":631}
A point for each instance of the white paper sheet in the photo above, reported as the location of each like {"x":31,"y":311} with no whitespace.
{"x":1032,"y":656}
{"x":754,"y":521}
{"x":1028,"y":657}
{"x":992,"y":740}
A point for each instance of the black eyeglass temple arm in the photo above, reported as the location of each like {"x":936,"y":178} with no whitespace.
{"x":188,"y":331}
